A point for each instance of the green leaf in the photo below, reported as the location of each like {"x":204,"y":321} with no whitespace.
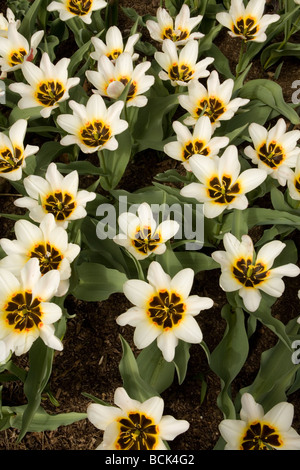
{"x":229,"y":356}
{"x":29,"y":20}
{"x":48,"y":152}
{"x":136,"y":387}
{"x":271,"y":54}
{"x":27,"y":113}
{"x":153,"y":368}
{"x":97,"y":282}
{"x":181,"y":359}
{"x":114,"y":163}
{"x":271,"y":94}
{"x":41,"y":420}
{"x":40,"y":367}
{"x":276,"y":374}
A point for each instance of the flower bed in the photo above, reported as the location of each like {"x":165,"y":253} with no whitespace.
{"x":149,"y":245}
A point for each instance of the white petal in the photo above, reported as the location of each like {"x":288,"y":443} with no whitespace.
{"x":170,"y":427}
{"x":188,"y":330}
{"x":167,"y":343}
{"x":182,"y":282}
{"x":250,"y":411}
{"x":101,"y":416}
{"x":251,"y":298}
{"x":138,"y":292}
{"x":158,"y":278}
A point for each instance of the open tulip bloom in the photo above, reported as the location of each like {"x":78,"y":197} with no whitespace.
{"x":114,"y":45}
{"x":111,"y":78}
{"x":164,"y":310}
{"x":82,"y":9}
{"x":93,"y":127}
{"x":48,"y":85}
{"x":275,"y":150}
{"x":48,"y":243}
{"x":12,"y":153}
{"x":4,"y":22}
{"x":247,"y":273}
{"x":249,"y":23}
{"x":26,"y":312}
{"x":199,"y":141}
{"x":15,"y":49}
{"x":221,"y":185}
{"x":294,"y":182}
{"x":213,"y":101}
{"x":257,"y":430}
{"x":55,"y":194}
{"x":181,"y":67}
{"x":180,"y":32}
{"x":134,"y":425}
{"x":141,"y":235}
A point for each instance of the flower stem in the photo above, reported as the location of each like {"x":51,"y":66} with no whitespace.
{"x":241,"y":57}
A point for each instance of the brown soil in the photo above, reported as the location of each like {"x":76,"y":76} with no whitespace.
{"x":92,"y":350}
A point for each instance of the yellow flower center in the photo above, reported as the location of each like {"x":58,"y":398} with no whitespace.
{"x":197,"y":147}
{"x":22,"y":312}
{"x":49,"y":92}
{"x":249,"y":274}
{"x":261,"y":436}
{"x":114,"y":54}
{"x":182,"y":72}
{"x":132,"y":88}
{"x":137,"y":431}
{"x":180,"y":35}
{"x":60,"y":204}
{"x":271,"y":155}
{"x":246,"y":27}
{"x":144,"y":241}
{"x":17,"y":57}
{"x":10,"y":161}
{"x":297,"y":184}
{"x":95,"y":133}
{"x":222,"y":192}
{"x":79,"y":7}
{"x":49,"y":257}
{"x":211,"y":107}
{"x":166,"y":309}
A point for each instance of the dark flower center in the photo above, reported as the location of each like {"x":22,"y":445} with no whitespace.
{"x":23,"y":312}
{"x":95,"y":134}
{"x":79,"y":7}
{"x":181,"y":35}
{"x":166,"y":309}
{"x":211,"y":107}
{"x":195,"y":148}
{"x":144,"y":241}
{"x":49,"y":257}
{"x":222,"y":191}
{"x":246,"y":27}
{"x":181,"y":72}
{"x":48,"y":93}
{"x":248,"y":274}
{"x":137,"y":432}
{"x":260,"y":436}
{"x":271,"y":155}
{"x":17,"y":57}
{"x":61,"y":205}
{"x":10,"y":161}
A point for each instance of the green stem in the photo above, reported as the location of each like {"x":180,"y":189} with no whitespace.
{"x":138,"y":266}
{"x":241,"y":57}
{"x":237,"y":224}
